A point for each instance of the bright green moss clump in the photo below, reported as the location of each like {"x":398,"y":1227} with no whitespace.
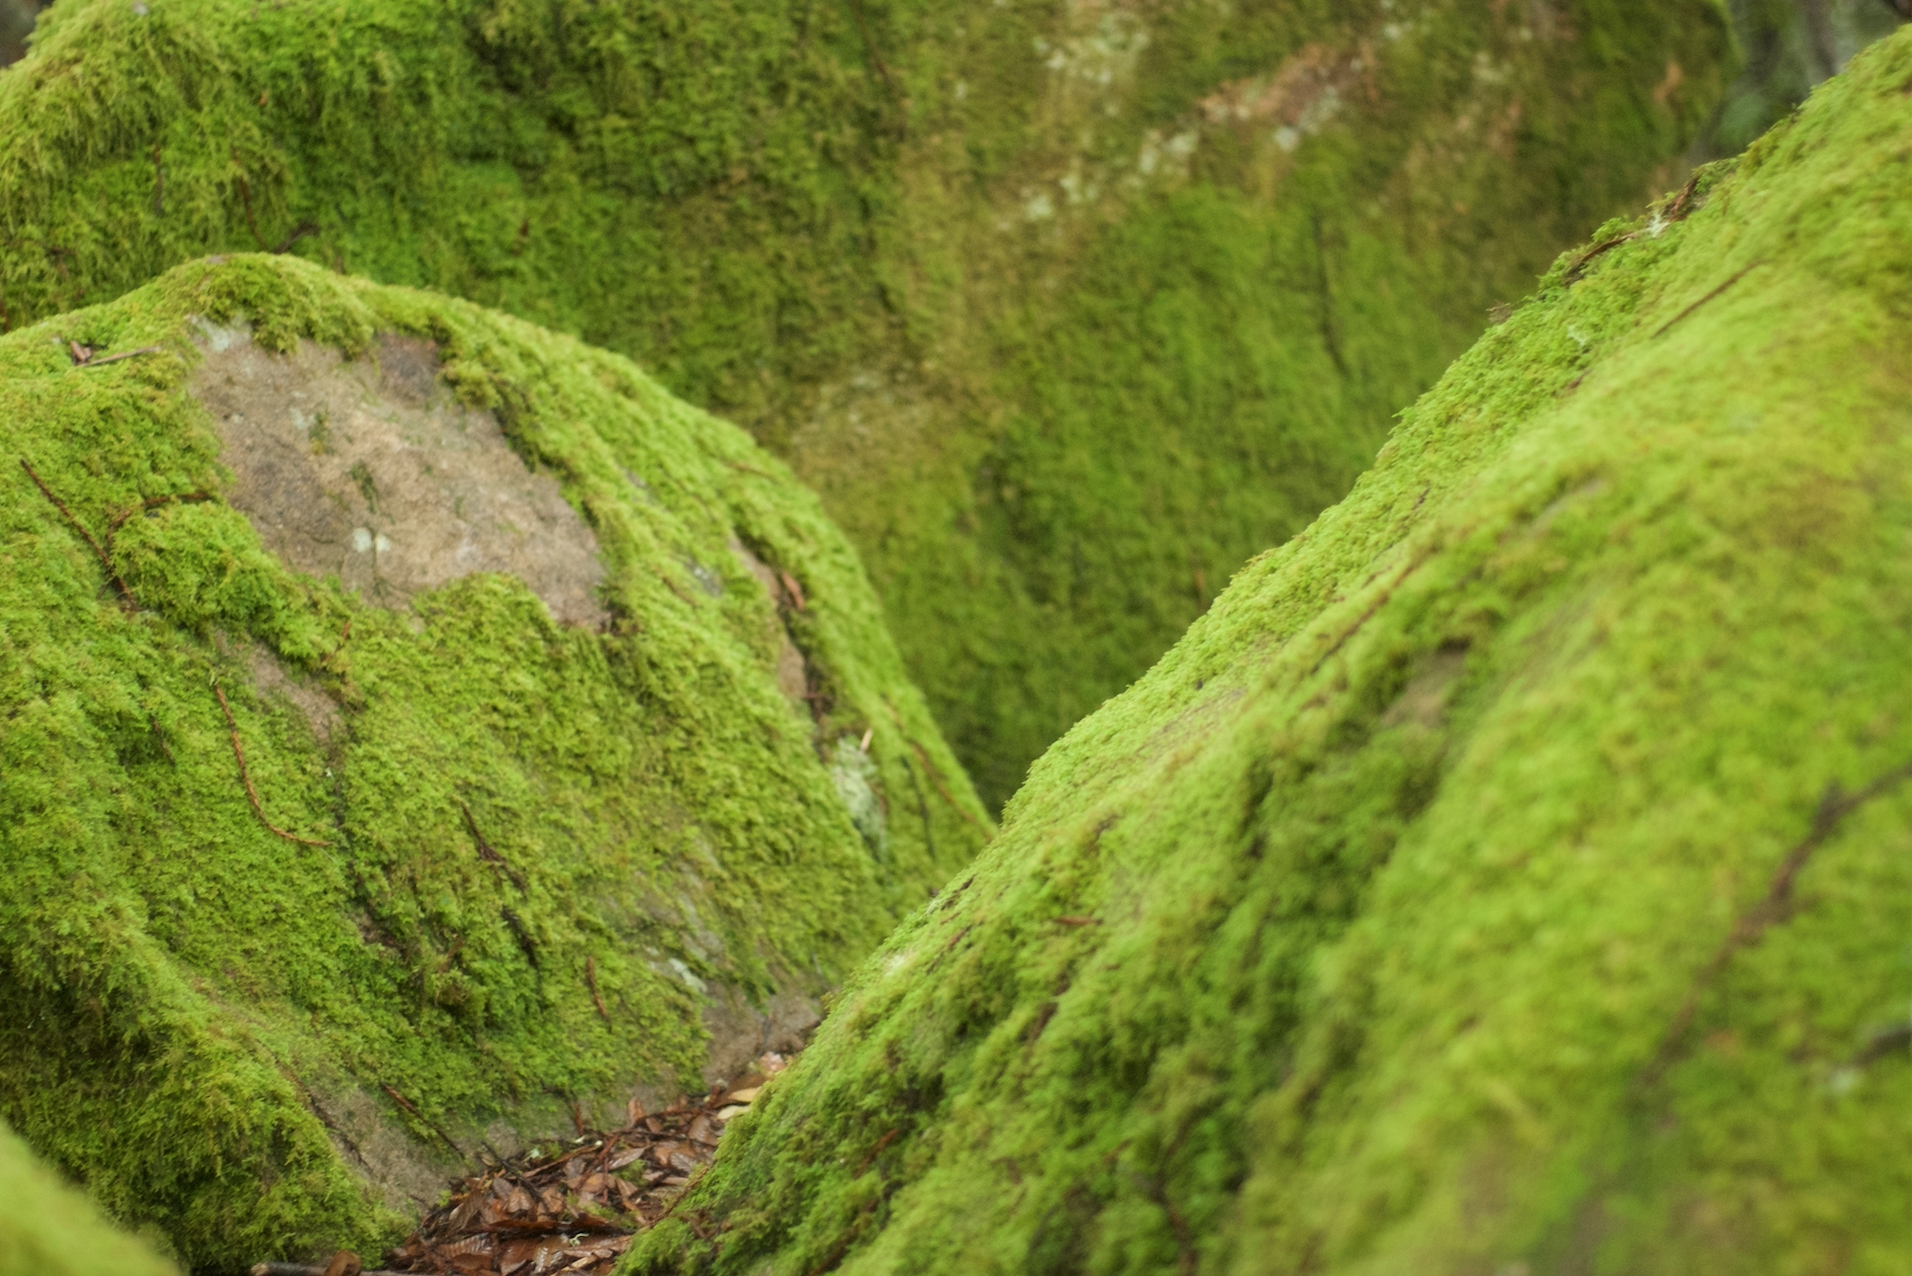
{"x":531,"y":854}
{"x":1512,"y":873}
{"x":1065,"y":309}
{"x":48,"y":1228}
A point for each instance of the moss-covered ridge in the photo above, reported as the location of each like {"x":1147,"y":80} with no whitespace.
{"x":527,"y":860}
{"x":47,"y":1226}
{"x":1066,"y":309}
{"x":1509,"y":874}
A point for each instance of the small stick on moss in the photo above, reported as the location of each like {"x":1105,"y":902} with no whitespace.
{"x":159,"y":738}
{"x":749,"y":469}
{"x":245,"y":777}
{"x":115,"y":358}
{"x":935,"y":777}
{"x":795,"y":591}
{"x":590,"y":979}
{"x":106,"y":562}
{"x":1585,"y":259}
{"x":1373,"y":608}
{"x":882,"y":69}
{"x":1774,"y":908}
{"x":1737,"y":276}
{"x":876,"y":1151}
{"x":344,"y":636}
{"x":1677,"y":210}
{"x":151,"y":502}
{"x":849,"y":1238}
{"x":303,"y":230}
{"x":420,"y":1117}
{"x":486,"y":851}
{"x":245,"y":197}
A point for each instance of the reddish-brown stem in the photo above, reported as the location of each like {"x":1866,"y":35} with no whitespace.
{"x":99,"y":552}
{"x":590,"y":979}
{"x":245,"y":777}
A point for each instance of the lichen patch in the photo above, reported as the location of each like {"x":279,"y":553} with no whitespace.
{"x":368,"y":470}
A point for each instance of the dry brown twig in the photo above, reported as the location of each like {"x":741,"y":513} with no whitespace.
{"x":245,"y":776}
{"x":99,"y":551}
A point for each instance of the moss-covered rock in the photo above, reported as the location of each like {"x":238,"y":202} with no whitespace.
{"x":1509,"y":874}
{"x":417,"y":728}
{"x":48,"y":1229}
{"x":1066,"y":308}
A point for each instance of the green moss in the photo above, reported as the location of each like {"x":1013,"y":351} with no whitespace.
{"x":192,"y":999}
{"x":1508,"y":874}
{"x":1065,"y":309}
{"x":48,"y":1227}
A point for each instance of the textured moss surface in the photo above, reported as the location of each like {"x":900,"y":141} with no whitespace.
{"x":530,"y":848}
{"x":47,"y":1227}
{"x":1509,"y":874}
{"x":1066,"y":308}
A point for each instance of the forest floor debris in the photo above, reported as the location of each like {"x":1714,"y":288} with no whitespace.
{"x":569,"y":1207}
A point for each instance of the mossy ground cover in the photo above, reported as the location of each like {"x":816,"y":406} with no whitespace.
{"x":48,"y":1226}
{"x":1065,"y":308}
{"x":524,"y":856}
{"x":1509,"y":874}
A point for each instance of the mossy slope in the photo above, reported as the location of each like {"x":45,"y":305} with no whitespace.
{"x":1509,"y":874}
{"x":47,"y":1227}
{"x":535,"y":855}
{"x":1066,"y":309}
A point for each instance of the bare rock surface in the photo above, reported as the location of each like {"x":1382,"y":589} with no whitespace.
{"x":369,"y":470}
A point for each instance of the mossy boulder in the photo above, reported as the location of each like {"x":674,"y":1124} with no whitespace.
{"x":1510,"y":874}
{"x":420,"y":732}
{"x":1065,"y":309}
{"x":49,"y":1229}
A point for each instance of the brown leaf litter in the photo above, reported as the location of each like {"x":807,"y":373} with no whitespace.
{"x":571,"y":1207}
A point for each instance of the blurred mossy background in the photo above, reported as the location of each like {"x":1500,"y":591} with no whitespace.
{"x":1065,"y":309}
{"x":16,"y":24}
{"x":1789,"y":46}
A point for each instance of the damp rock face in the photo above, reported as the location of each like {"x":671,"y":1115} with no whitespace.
{"x":367,"y":470}
{"x":1509,"y":875}
{"x":1066,"y":310}
{"x":421,"y":733}
{"x":47,"y":1226}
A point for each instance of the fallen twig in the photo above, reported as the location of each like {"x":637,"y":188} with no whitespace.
{"x":876,"y":1151}
{"x":1581,"y":262}
{"x":748,"y":469}
{"x":301,"y":231}
{"x":153,"y":502}
{"x":127,"y":354}
{"x":245,"y":777}
{"x":412,"y":1109}
{"x":882,"y":69}
{"x":1775,"y":907}
{"x":795,"y":590}
{"x":590,"y":979}
{"x":245,"y":198}
{"x":99,"y":552}
{"x":935,"y":776}
{"x":1736,"y":277}
{"x":486,"y":851}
